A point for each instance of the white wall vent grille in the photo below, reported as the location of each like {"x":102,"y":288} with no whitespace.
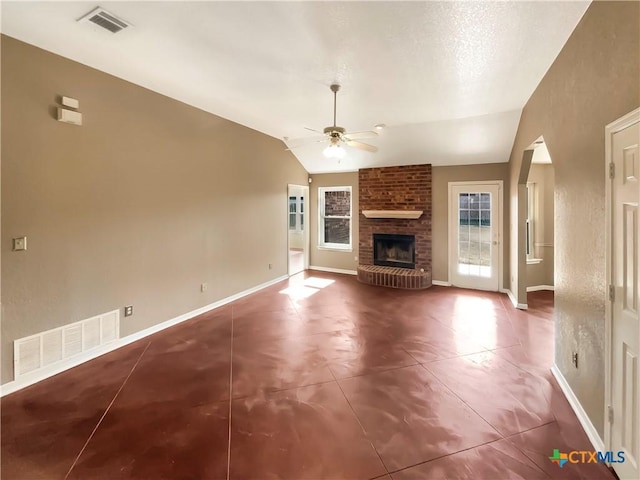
{"x":28,"y":355}
{"x":47,"y":348}
{"x":106,"y":20}
{"x":51,"y":347}
{"x":90,"y":333}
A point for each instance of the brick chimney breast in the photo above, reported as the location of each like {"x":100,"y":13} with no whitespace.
{"x":396,"y":188}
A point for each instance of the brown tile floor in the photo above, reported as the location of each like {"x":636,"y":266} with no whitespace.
{"x":316,"y":377}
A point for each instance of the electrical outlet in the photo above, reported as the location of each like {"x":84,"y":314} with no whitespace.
{"x":203,"y":287}
{"x":128,"y":310}
{"x":355,"y":258}
{"x":574,"y":359}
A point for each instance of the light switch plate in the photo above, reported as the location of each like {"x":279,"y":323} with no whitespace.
{"x":19,"y":243}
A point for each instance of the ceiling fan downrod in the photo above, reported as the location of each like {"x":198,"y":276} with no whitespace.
{"x":335,"y":131}
{"x":334,"y":88}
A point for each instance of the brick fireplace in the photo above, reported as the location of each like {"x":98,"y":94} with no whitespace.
{"x":395,"y":190}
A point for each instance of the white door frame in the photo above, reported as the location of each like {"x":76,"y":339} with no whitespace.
{"x":305,"y":190}
{"x":500,"y":230}
{"x":611,"y":129}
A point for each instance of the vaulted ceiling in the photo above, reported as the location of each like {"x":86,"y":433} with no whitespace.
{"x":448,"y":79}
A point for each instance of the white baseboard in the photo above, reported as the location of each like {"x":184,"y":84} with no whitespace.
{"x":30,"y":379}
{"x":333,"y":270}
{"x":440,"y":283}
{"x":537,"y":288}
{"x":514,"y":301}
{"x":585,"y":421}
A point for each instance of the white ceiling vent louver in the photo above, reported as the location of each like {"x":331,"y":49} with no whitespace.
{"x":106,"y":20}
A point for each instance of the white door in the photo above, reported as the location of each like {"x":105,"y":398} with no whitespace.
{"x":474,"y":235}
{"x":625,"y":333}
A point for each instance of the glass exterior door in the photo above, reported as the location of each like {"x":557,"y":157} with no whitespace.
{"x":473,"y":216}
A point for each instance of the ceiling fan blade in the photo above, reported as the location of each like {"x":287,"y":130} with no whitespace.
{"x":358,"y":135}
{"x":362,"y":146}
{"x":303,"y":142}
{"x":314,"y":130}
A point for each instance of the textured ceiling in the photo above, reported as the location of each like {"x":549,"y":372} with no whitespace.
{"x":449,"y":79}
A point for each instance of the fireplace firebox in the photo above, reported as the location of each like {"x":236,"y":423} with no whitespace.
{"x":394,"y":250}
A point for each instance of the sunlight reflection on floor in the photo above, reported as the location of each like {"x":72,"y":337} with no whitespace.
{"x":305,"y":287}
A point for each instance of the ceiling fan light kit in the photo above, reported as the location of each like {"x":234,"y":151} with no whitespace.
{"x":334,"y":151}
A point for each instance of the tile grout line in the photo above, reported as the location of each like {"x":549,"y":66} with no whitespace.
{"x":360,"y":423}
{"x":230,"y":397}
{"x":416,"y":360}
{"x":529,"y":429}
{"x":462,"y":400}
{"x":477,"y":413}
{"x":537,"y":375}
{"x":106,"y":411}
{"x":529,"y":457}
{"x":447,"y":455}
{"x":374,"y":372}
{"x":280,"y":390}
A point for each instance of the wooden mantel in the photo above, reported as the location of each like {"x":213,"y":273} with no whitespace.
{"x":410,"y":214}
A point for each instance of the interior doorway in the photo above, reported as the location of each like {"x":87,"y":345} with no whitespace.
{"x":533,"y":259}
{"x":540,"y":221}
{"x":298,"y":228}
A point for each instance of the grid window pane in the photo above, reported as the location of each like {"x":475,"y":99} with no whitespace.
{"x":474,"y":229}
{"x":335,"y":222}
{"x":337,"y":203}
{"x":336,"y":230}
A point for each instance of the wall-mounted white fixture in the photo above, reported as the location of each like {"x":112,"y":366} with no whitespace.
{"x":70,"y":102}
{"x":67,"y":115}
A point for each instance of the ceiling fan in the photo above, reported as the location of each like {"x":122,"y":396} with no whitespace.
{"x":338,"y":136}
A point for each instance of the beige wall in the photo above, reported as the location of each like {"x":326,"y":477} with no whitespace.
{"x":542,"y":273}
{"x":142,"y":204}
{"x":333,"y":258}
{"x":593,"y":81}
{"x":440,"y":231}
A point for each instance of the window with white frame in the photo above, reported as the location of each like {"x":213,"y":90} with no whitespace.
{"x":334,"y":217}
{"x":531,"y":216}
{"x":296,"y":214}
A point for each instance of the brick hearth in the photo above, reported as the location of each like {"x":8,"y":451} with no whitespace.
{"x":395,"y":188}
{"x":394,"y":277}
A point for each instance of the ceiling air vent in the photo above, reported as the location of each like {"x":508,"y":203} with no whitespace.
{"x":106,"y":20}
